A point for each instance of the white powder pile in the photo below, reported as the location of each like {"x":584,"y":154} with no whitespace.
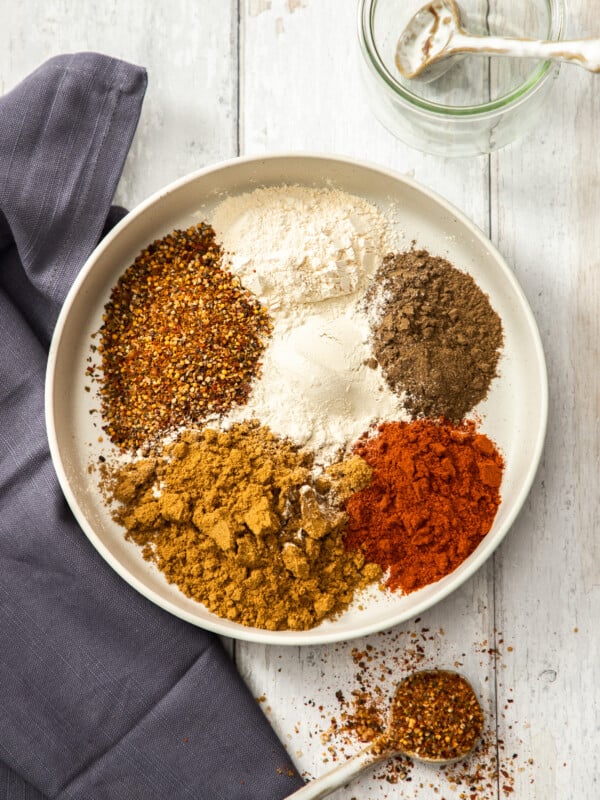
{"x":308,"y":254}
{"x":295,"y":246}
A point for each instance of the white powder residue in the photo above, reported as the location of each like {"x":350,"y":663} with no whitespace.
{"x":308,"y":254}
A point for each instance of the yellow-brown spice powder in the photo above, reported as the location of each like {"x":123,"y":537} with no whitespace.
{"x":238,"y":521}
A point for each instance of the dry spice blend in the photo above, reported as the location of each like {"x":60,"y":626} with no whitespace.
{"x":435,"y":334}
{"x":181,"y":340}
{"x":435,"y":715}
{"x":239,"y":516}
{"x":360,"y":715}
{"x":238,"y":522}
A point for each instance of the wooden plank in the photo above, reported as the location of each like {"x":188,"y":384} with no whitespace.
{"x":300,"y":91}
{"x":546,"y":192}
{"x":189,"y":117}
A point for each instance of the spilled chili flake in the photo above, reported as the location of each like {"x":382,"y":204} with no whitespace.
{"x":181,"y":340}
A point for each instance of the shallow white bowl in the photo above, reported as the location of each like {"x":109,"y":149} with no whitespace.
{"x":514,"y":415}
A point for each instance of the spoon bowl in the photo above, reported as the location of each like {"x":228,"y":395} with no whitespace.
{"x":421,"y":49}
{"x":435,"y":717}
{"x":434,"y":37}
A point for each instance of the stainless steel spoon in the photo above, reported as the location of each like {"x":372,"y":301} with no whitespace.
{"x":386,"y":746}
{"x":434,"y":34}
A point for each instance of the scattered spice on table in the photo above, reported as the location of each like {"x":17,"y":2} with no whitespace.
{"x":237,"y":520}
{"x":435,"y":334}
{"x":435,"y":714}
{"x":181,"y":339}
{"x":433,"y":497}
{"x":350,"y":713}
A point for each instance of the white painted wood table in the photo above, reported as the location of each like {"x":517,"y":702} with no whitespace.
{"x":231,"y":77}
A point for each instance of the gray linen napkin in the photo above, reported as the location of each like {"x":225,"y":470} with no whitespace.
{"x":102,"y":694}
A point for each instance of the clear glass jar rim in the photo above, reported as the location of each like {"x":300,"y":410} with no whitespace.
{"x":537,"y":78}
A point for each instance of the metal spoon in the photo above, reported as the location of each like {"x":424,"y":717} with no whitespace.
{"x":387,"y":746}
{"x":435,"y":33}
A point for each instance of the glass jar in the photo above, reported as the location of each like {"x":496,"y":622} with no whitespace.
{"x":483,"y":102}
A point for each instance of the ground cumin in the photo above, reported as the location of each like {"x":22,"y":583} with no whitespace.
{"x":237,"y":521}
{"x":436,"y":336}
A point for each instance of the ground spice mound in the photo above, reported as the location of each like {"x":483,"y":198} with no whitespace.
{"x":436,"y":336}
{"x":434,"y":714}
{"x":181,"y":339}
{"x":433,"y":497}
{"x":236,"y":520}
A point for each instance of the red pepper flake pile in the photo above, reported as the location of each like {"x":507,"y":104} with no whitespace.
{"x":181,"y":340}
{"x":435,"y":715}
{"x":433,"y":497}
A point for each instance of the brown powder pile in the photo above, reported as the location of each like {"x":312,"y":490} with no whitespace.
{"x":238,"y":522}
{"x":437,"y":337}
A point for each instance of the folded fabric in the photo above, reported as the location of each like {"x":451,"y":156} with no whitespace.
{"x":102,"y":694}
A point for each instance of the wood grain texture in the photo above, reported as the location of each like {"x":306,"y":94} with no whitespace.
{"x":309,"y":96}
{"x":545,"y":201}
{"x":189,"y":49}
{"x":259,"y":76}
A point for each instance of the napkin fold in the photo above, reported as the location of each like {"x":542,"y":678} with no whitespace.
{"x":102,"y":694}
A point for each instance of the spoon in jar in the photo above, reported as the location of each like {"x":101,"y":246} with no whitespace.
{"x":434,"y":34}
{"x":435,"y":717}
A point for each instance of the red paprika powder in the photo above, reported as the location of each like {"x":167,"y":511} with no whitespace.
{"x":433,"y":497}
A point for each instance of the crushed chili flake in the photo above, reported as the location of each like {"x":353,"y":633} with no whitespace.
{"x":181,"y":340}
{"x":435,"y":715}
{"x":361,"y":713}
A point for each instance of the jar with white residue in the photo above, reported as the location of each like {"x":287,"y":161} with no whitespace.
{"x":482,"y":103}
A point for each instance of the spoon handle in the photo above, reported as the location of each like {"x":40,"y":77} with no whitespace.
{"x":337,"y":777}
{"x":583,"y":52}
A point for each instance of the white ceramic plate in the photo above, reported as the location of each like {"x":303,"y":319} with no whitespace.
{"x":514,"y":414}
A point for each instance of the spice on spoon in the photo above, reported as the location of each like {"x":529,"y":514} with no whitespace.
{"x":181,"y":340}
{"x":435,"y":716}
{"x":360,"y":712}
